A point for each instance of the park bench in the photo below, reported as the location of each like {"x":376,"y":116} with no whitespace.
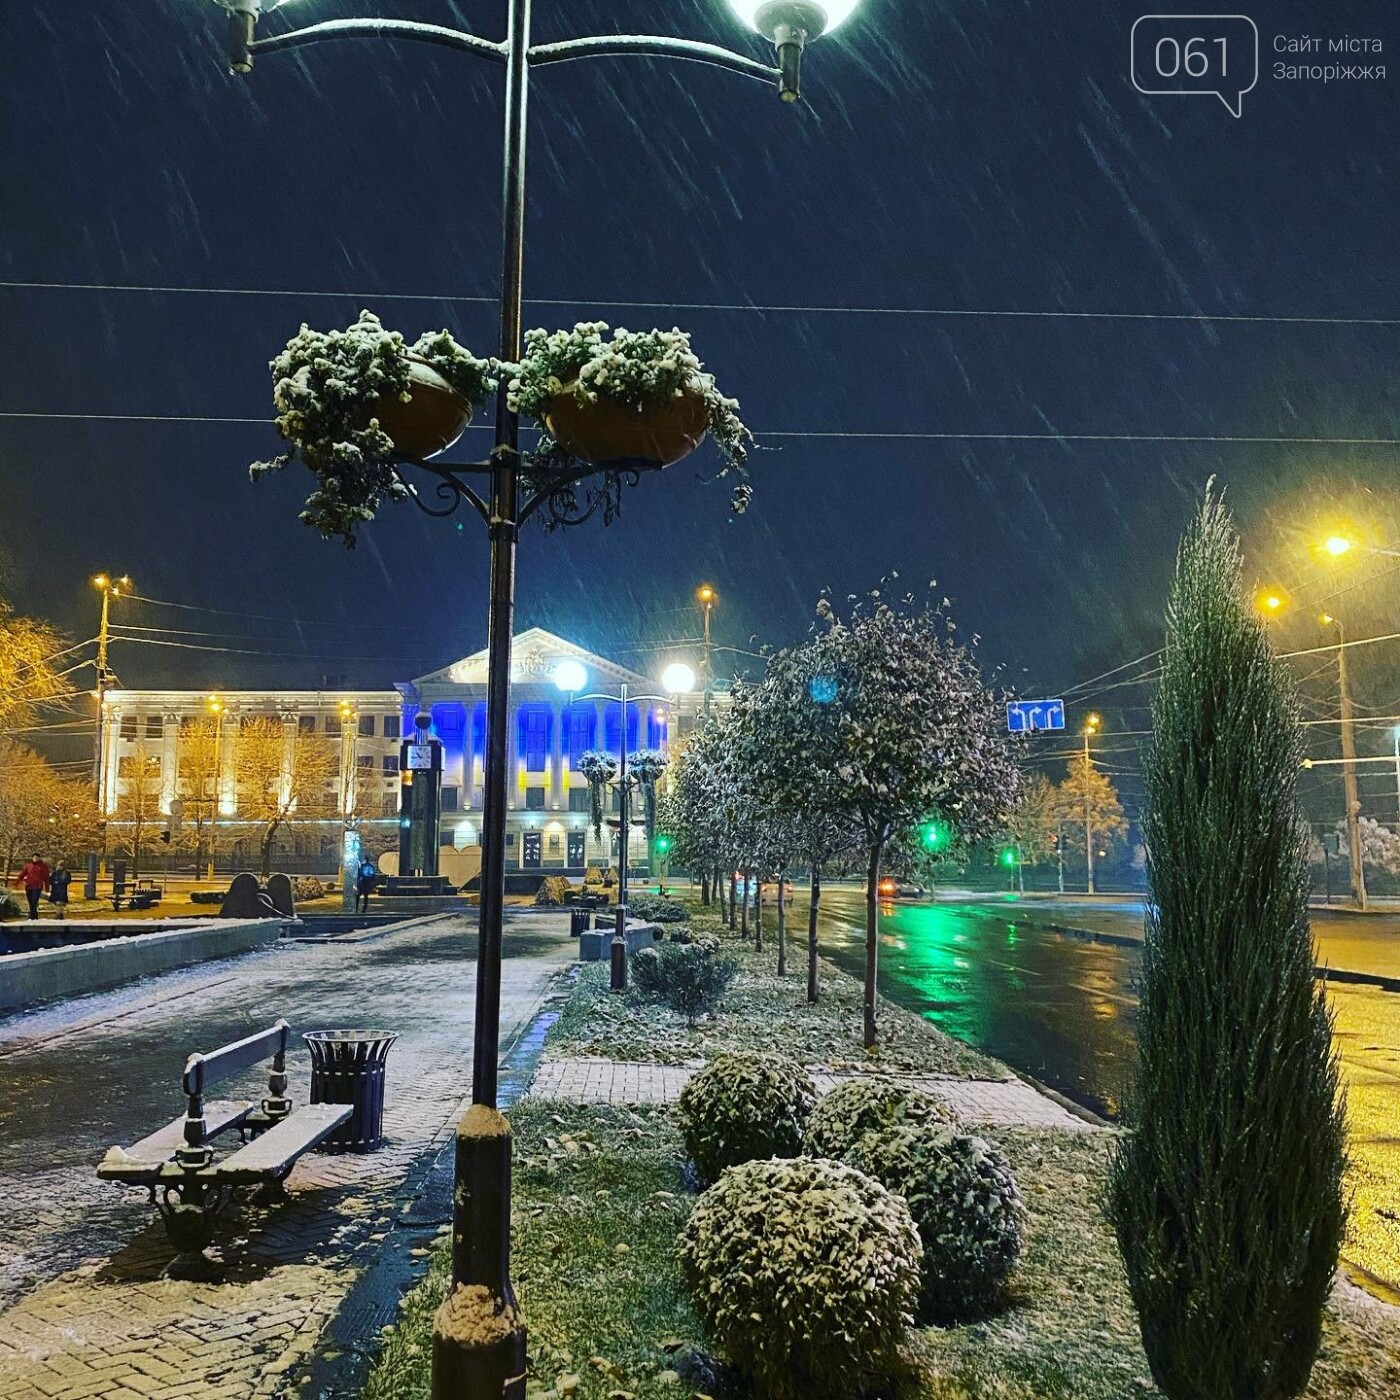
{"x":145,"y":896}
{"x":178,"y":1165}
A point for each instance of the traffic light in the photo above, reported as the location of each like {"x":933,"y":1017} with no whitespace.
{"x":932,"y":836}
{"x":662,"y":845}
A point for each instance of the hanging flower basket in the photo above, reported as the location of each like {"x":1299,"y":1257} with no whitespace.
{"x":605,"y":396}
{"x":603,"y":430}
{"x":429,"y":420}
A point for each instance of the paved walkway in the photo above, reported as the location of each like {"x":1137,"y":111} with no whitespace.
{"x":994,"y":1103}
{"x":84,"y":1308}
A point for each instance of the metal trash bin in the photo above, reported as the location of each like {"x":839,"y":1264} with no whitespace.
{"x":348,"y":1067}
{"x":580,"y":921}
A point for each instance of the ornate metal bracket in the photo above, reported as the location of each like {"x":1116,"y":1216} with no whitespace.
{"x":449,"y":488}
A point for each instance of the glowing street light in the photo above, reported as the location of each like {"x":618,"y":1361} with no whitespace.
{"x":678,"y":679}
{"x":790,"y":25}
{"x":570,"y":677}
{"x":1337,"y":545}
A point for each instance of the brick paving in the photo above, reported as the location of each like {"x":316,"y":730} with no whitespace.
{"x":994,"y":1103}
{"x":87,"y":1311}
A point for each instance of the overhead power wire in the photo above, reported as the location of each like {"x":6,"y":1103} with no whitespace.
{"x":1241,"y":439}
{"x":787,"y":309}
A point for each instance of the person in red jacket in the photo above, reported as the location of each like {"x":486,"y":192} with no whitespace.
{"x":35,"y":879}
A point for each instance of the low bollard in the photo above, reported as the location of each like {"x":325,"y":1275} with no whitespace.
{"x":618,"y":951}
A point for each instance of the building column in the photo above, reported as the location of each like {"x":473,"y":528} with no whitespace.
{"x":556,"y":760}
{"x":111,"y":758}
{"x":169,"y":761}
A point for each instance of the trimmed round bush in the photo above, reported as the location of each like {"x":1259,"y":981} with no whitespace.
{"x":859,"y":1106}
{"x":805,"y":1273}
{"x":964,"y":1200}
{"x":742,"y":1107}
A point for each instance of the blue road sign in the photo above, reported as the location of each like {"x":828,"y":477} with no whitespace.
{"x":1026,"y":716}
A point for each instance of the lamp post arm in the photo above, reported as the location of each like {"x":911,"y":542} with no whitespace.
{"x":652,"y":46}
{"x":381,"y":29}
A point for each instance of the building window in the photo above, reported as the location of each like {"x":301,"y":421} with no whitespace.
{"x":366,"y":726}
{"x":578,"y":799}
{"x":391,"y":727}
{"x":534,"y":799}
{"x":306,"y":723}
{"x":391,"y":763}
{"x":583,"y":724}
{"x":333,"y":724}
{"x":449,"y":720}
{"x":449,"y":799}
{"x":535,"y":727}
{"x":128,"y":726}
{"x":364,"y":760}
{"x":155,"y":728}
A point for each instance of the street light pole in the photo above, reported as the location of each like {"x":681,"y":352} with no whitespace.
{"x":707,"y":598}
{"x":478,"y":1338}
{"x":1349,"y":791}
{"x":1090,"y":727}
{"x":109,"y":588}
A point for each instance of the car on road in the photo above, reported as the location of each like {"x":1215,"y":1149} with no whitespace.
{"x":768,"y":888}
{"x":891,"y":888}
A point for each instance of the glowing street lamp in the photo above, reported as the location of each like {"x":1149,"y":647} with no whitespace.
{"x":570,"y":677}
{"x":678,"y":678}
{"x":790,"y":25}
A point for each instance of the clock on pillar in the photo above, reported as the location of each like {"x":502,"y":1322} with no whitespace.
{"x":420,"y":813}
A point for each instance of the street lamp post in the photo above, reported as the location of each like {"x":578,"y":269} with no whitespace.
{"x":1349,"y":790}
{"x":707,"y":597}
{"x":479,"y":1341}
{"x":570,"y":677}
{"x":1091,"y":727}
{"x":109,"y":588}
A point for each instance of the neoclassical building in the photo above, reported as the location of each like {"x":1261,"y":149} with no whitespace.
{"x":547,"y":825}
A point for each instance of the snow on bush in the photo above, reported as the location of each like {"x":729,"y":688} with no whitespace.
{"x":554,"y":890}
{"x":805,"y":1272}
{"x":688,"y":977}
{"x":860,"y":1106}
{"x":963,"y":1198}
{"x":657,"y":909}
{"x":743,"y":1106}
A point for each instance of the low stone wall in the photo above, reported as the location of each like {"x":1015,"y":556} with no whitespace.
{"x":29,"y":978}
{"x":595,"y":944}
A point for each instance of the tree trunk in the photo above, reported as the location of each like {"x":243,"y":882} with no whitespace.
{"x":872,"y":940}
{"x":704,"y":891}
{"x":812,"y":984}
{"x":267,"y":852}
{"x":733,"y":892}
{"x":782,"y":929}
{"x":744,"y":909}
{"x":758,"y":915}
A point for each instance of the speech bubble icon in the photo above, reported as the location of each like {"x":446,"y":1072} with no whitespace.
{"x":1196,"y":55}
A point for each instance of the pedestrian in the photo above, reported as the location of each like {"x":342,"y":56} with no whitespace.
{"x":35,"y":878}
{"x":366,"y":878}
{"x":59,"y":881}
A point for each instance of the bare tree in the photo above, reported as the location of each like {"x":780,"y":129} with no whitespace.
{"x":138,"y":800}
{"x":285,"y":776}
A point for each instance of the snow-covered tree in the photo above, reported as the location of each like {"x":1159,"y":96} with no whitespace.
{"x":1226,"y":1191}
{"x":902,"y":730}
{"x":285,"y":775}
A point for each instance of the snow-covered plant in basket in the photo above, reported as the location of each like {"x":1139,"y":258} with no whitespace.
{"x":964,"y":1200}
{"x":863,"y":1105}
{"x":805,"y":1272}
{"x":350,"y":401}
{"x":636,"y":396}
{"x":598,"y":770}
{"x":742,"y":1106}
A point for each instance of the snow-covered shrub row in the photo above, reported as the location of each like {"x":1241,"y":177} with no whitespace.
{"x":805,"y":1272}
{"x":687,"y":977}
{"x":860,"y":1106}
{"x":964,"y":1200}
{"x":741,"y":1107}
{"x":657,"y":909}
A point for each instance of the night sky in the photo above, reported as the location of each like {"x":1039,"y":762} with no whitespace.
{"x":951,"y":157}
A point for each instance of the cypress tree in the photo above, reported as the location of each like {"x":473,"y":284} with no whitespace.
{"x":1226,"y":1192}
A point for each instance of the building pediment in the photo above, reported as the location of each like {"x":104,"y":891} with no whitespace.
{"x":534,"y":655}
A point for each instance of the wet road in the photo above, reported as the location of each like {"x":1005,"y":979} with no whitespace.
{"x":1062,"y":1009}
